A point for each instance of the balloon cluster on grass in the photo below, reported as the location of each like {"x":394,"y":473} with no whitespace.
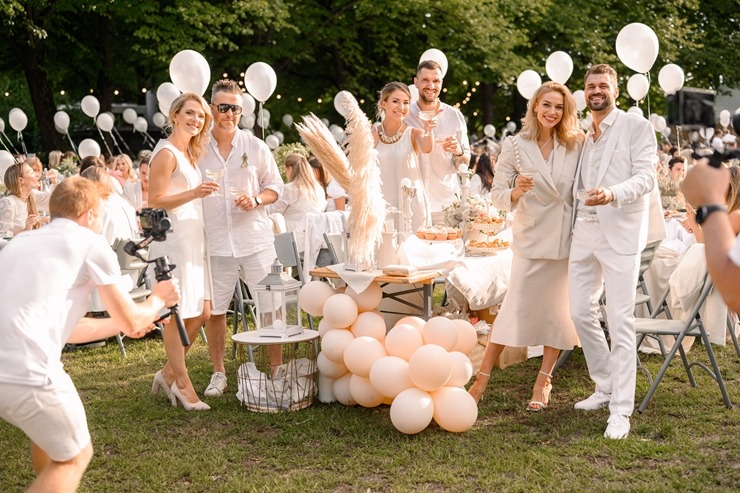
{"x":419,"y":368}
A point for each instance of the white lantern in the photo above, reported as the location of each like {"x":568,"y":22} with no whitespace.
{"x":278,"y":310}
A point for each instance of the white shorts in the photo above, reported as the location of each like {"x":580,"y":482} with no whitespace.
{"x":52,"y":416}
{"x":226,"y":270}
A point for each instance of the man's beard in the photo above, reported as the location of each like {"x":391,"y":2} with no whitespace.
{"x":606,"y":103}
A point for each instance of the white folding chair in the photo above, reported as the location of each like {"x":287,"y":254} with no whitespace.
{"x":691,"y":326}
{"x":287,"y":253}
{"x":336,"y":245}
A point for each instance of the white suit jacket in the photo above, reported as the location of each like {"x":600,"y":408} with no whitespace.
{"x":627,"y":169}
{"x":543,"y":222}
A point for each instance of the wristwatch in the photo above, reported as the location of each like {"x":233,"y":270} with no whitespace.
{"x":258,"y":200}
{"x":703,"y":212}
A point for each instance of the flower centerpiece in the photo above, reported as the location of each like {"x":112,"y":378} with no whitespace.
{"x":479,"y":209}
{"x":68,"y":167}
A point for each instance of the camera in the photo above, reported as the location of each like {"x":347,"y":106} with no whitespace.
{"x":154,"y":223}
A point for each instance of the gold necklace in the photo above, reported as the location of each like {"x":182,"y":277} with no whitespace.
{"x":393,"y":138}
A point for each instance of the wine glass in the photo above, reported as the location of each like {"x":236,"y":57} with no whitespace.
{"x":215,"y":174}
{"x":235,"y":193}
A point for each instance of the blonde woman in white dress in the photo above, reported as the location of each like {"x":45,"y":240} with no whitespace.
{"x":175,"y":185}
{"x":550,"y":143}
{"x":398,"y":147}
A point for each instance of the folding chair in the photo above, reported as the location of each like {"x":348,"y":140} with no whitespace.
{"x":692,"y":326}
{"x":731,"y":322}
{"x":287,"y":253}
{"x":336,"y":245}
{"x":242,"y":306}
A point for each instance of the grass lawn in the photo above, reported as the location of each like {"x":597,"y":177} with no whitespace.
{"x":686,"y":440}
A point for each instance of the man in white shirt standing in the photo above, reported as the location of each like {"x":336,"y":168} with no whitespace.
{"x":240,"y":238}
{"x":451,"y":147}
{"x":611,"y":229}
{"x":49,"y":275}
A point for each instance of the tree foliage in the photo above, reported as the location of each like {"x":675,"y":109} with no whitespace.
{"x":318,"y":47}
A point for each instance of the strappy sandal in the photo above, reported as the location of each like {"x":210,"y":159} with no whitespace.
{"x":537,"y":406}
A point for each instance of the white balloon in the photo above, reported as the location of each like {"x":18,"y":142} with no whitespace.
{"x":724,"y":118}
{"x":159,"y":119}
{"x":6,"y":161}
{"x":190,"y":72}
{"x":129,"y":114}
{"x":272,"y":142}
{"x":580,"y":98}
{"x":637,"y":47}
{"x":263,"y":118}
{"x":247,"y":121}
{"x":167,"y":92}
{"x":287,"y":120}
{"x":88,"y":147}
{"x":325,"y":121}
{"x":660,"y":124}
{"x":511,"y":127}
{"x":279,"y":135}
{"x":104,"y":122}
{"x":414,"y":93}
{"x":737,"y":111}
{"x":340,"y":100}
{"x":260,"y":80}
{"x":140,"y":124}
{"x":527,"y":83}
{"x":248,"y":104}
{"x":338,"y":134}
{"x":559,"y":66}
{"x":667,"y":132}
{"x":636,"y":110}
{"x":17,"y":119}
{"x":90,"y":106}
{"x":671,"y":78}
{"x":489,"y":130}
{"x":2,"y":125}
{"x":707,"y":133}
{"x":437,"y":56}
{"x":637,"y":86}
{"x":61,"y":120}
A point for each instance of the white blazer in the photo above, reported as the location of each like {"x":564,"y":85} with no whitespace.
{"x":543,"y":222}
{"x":627,"y":168}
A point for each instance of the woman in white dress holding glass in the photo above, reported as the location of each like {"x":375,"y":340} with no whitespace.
{"x":175,"y":185}
{"x":534,"y":177}
{"x":398,"y":147}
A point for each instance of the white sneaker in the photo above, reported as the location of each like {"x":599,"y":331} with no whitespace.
{"x":217,"y":386}
{"x":595,"y":401}
{"x":618,"y":427}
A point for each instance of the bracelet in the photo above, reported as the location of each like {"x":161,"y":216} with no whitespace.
{"x":459,"y":155}
{"x":484,"y":373}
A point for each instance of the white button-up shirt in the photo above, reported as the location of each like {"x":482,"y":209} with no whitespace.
{"x":592,"y":154}
{"x":249,"y":169}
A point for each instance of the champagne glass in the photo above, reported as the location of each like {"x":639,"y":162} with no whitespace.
{"x":214,"y":175}
{"x":235,"y":193}
{"x":427,"y":116}
{"x":529,"y":173}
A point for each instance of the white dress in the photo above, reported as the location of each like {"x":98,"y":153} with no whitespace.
{"x":186,"y":244}
{"x":14,"y":211}
{"x":398,"y":161}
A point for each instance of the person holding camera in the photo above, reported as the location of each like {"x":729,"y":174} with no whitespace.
{"x":240,"y":237}
{"x":175,"y":185}
{"x":49,"y":275}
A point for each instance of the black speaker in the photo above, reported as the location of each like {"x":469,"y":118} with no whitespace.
{"x":691,"y":107}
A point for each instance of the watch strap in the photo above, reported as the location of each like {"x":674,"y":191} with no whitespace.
{"x":703,"y":212}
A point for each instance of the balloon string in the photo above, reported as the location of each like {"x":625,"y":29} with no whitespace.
{"x":71,"y":142}
{"x":261,"y":119}
{"x":5,"y":146}
{"x":123,"y":141}
{"x":104,"y":141}
{"x":23,"y":143}
{"x":15,"y":151}
{"x":648,"y":94}
{"x":115,"y":143}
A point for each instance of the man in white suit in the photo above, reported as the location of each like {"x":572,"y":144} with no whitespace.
{"x":611,"y":228}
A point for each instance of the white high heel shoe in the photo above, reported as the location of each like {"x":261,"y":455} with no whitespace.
{"x":160,"y":383}
{"x":176,"y":395}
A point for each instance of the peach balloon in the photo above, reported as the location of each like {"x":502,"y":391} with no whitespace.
{"x":417,"y":322}
{"x":390,"y":376}
{"x":341,"y":390}
{"x":430,"y":367}
{"x":440,"y":331}
{"x":361,"y":354}
{"x":454,"y":409}
{"x":313,"y":295}
{"x":403,"y":340}
{"x":369,"y":324}
{"x":325,"y":326}
{"x":340,"y":310}
{"x":330,"y":368}
{"x":326,"y":389}
{"x":467,"y":337}
{"x":334,"y":343}
{"x":368,"y":299}
{"x":363,"y":392}
{"x":462,"y":370}
{"x":412,"y":411}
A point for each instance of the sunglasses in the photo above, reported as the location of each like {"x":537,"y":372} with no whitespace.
{"x":224,"y":108}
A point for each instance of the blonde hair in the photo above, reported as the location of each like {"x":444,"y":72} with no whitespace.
{"x":55,"y":158}
{"x":12,"y":181}
{"x":197,"y":143}
{"x":73,"y":197}
{"x":101,"y":176}
{"x":566,"y":131}
{"x":303,"y":175}
{"x":129,"y":174}
{"x":733,"y":193}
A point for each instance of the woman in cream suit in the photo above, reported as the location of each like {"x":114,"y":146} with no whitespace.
{"x":549,"y":143}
